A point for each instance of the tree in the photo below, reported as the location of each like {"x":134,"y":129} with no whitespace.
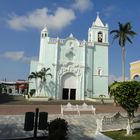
{"x":43,"y":73}
{"x":110,"y":93}
{"x":127,"y":94}
{"x":123,"y":34}
{"x":34,"y":75}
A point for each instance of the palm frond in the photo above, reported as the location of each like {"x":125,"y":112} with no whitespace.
{"x":44,"y":69}
{"x":132,"y":33}
{"x":33,"y":73}
{"x":120,"y":26}
{"x":129,"y":40}
{"x":49,"y":74}
{"x":48,"y":69}
{"x":114,"y":31}
{"x":30,"y":76}
{"x":115,"y":37}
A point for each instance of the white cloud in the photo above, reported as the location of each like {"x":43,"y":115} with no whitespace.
{"x":14,"y":55}
{"x":28,"y":59}
{"x":56,"y":20}
{"x":17,"y":56}
{"x":82,"y":5}
{"x":113,"y":78}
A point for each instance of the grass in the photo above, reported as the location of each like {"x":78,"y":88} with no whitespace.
{"x":121,"y":135}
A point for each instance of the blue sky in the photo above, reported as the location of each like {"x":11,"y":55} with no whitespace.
{"x":22,"y":20}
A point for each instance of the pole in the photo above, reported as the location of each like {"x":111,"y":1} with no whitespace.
{"x":36,"y":122}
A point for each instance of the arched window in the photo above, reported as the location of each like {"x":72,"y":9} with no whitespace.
{"x":99,"y":71}
{"x":44,"y":35}
{"x":100,"y":37}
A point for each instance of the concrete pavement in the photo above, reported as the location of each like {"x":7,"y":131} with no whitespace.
{"x":80,"y":127}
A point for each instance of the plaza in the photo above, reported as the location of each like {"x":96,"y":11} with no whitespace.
{"x":81,"y":127}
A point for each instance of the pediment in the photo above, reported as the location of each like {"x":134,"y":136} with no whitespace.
{"x":71,"y":41}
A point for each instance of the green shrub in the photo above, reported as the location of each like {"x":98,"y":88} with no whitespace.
{"x":50,"y":98}
{"x":101,"y":96}
{"x":32,"y":92}
{"x":10,"y":90}
{"x":58,"y":129}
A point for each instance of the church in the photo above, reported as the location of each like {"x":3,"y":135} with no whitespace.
{"x":79,"y":68}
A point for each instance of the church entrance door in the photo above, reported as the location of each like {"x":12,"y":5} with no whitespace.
{"x":65,"y":93}
{"x":69,"y":83}
{"x":72,"y":94}
{"x":69,"y":94}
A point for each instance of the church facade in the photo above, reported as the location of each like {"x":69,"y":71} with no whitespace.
{"x":79,"y":67}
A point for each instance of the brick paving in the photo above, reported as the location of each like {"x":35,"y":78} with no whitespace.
{"x":17,"y":105}
{"x":54,"y":109}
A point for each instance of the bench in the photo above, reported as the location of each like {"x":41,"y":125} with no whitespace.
{"x":86,"y":107}
{"x":115,"y":122}
{"x":77,"y":108}
{"x":69,"y":107}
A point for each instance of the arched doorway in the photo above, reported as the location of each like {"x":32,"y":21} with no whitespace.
{"x":69,"y":86}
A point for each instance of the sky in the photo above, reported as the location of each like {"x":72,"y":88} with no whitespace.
{"x":22,"y":20}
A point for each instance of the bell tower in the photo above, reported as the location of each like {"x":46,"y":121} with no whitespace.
{"x":98,"y":32}
{"x":98,"y":35}
{"x":43,"y":44}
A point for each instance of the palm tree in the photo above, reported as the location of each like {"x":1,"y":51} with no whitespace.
{"x":123,"y":34}
{"x":43,"y":74}
{"x":34,"y":75}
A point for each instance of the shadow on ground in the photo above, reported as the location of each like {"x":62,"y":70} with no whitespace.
{"x":14,"y":131}
{"x":11,"y":99}
{"x":20,"y":100}
{"x":78,"y":132}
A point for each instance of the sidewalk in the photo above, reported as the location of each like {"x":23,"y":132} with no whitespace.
{"x":80,"y":127}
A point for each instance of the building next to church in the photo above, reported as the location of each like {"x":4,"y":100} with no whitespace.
{"x":20,"y":87}
{"x":79,"y":67}
{"x":135,"y":70}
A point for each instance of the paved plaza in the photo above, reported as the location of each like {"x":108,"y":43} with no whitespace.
{"x":80,"y":127}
